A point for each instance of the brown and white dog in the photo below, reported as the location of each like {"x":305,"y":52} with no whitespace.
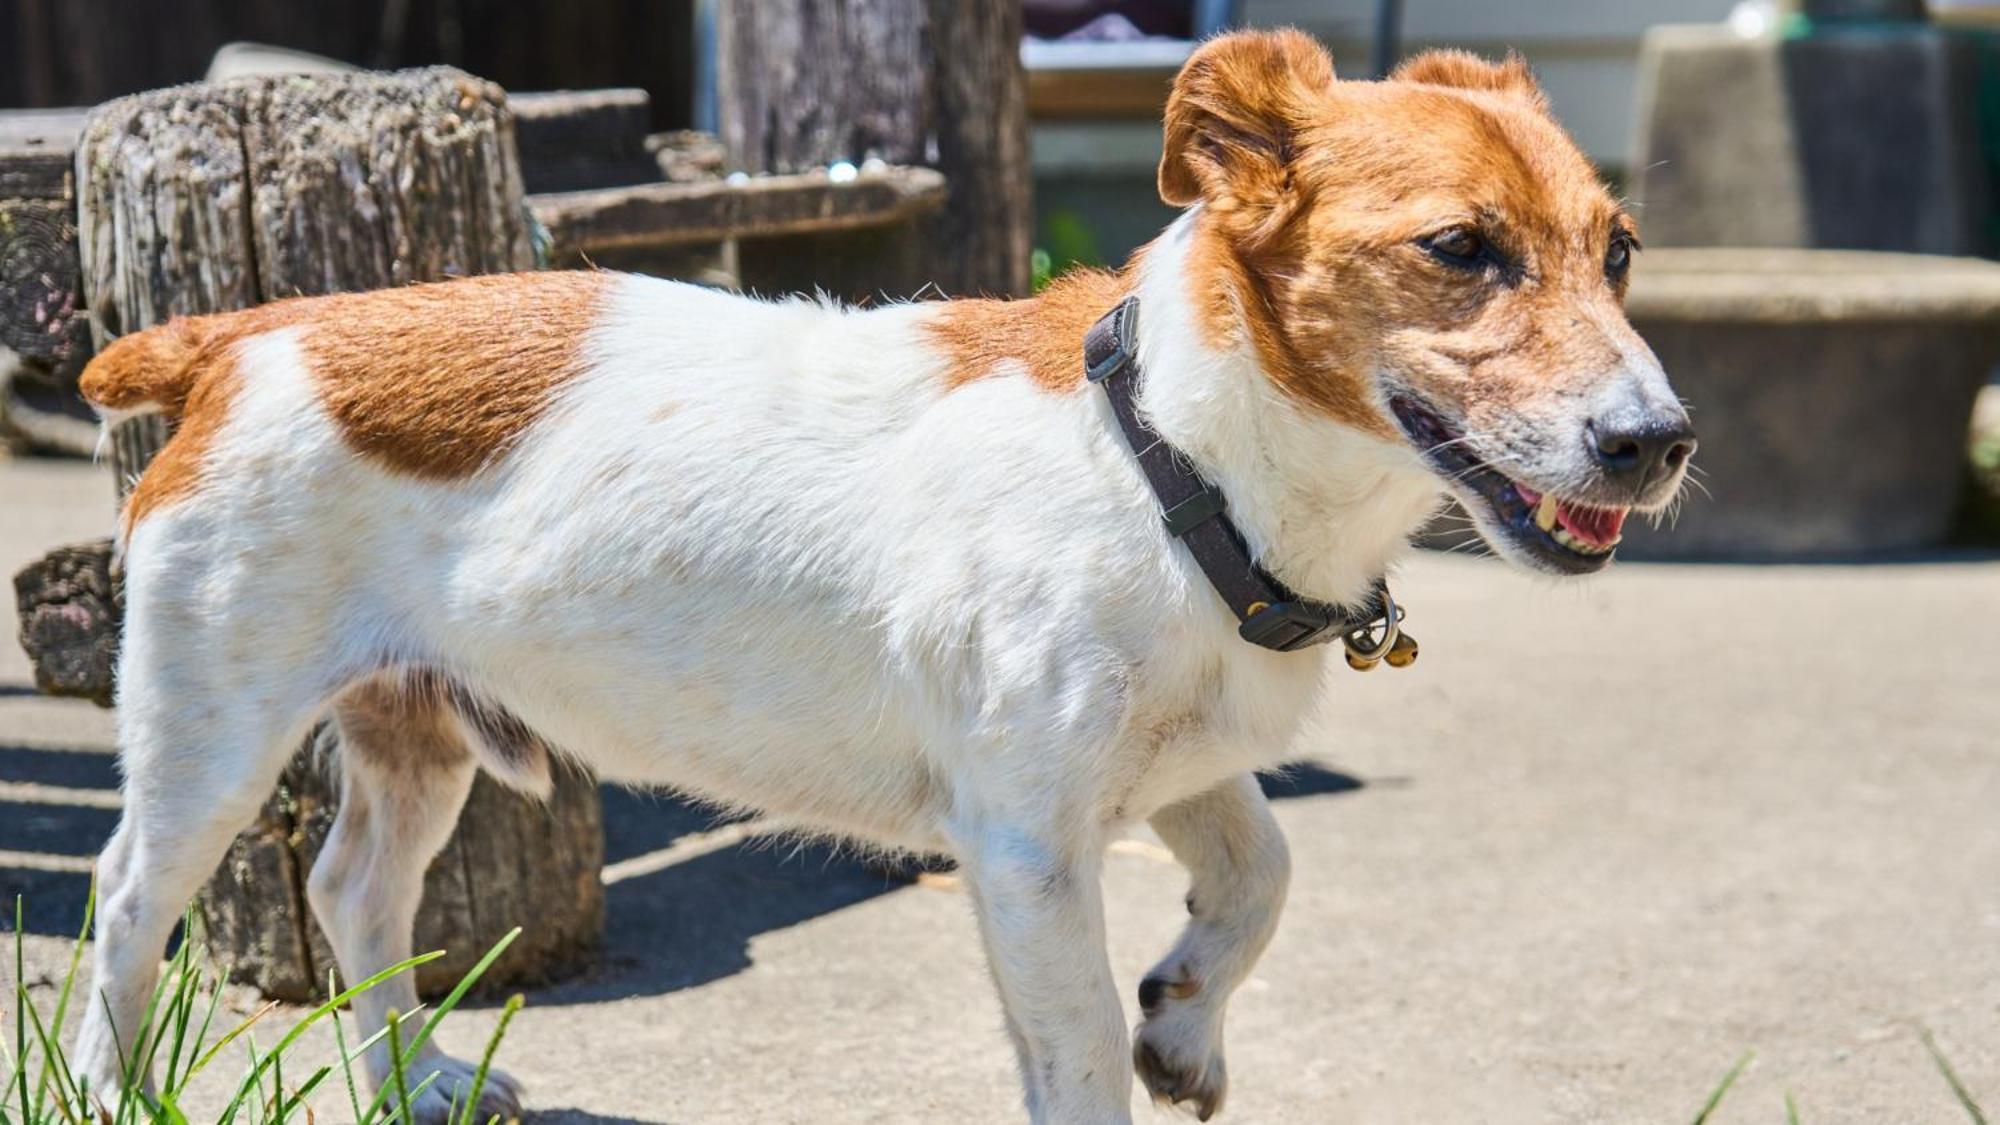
{"x":892,"y":574}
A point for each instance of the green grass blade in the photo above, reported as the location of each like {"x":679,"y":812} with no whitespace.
{"x":77,"y":959}
{"x":1965,"y":1098}
{"x":311,"y":1018}
{"x":464,"y":986}
{"x":346,"y":1060}
{"x":507,"y":1013}
{"x":396,"y":1078}
{"x":397,"y":1058}
{"x":418,"y":1090}
{"x":147,"y":1043}
{"x":181,"y":1012}
{"x":278,"y":1084}
{"x":1728,"y":1080}
{"x":292,"y":1104}
{"x":1791,"y":1109}
{"x":21,"y":1007}
{"x":75,"y":963}
{"x":54,"y":1067}
{"x":207,"y":1020}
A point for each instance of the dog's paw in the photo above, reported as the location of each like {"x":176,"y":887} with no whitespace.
{"x":444,"y":1100}
{"x":1177,"y":1050}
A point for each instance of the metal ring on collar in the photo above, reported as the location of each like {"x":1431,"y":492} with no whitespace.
{"x":1391,"y":623}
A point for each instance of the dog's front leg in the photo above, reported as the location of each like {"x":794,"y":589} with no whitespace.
{"x":1231,"y":845}
{"x":1041,"y":915}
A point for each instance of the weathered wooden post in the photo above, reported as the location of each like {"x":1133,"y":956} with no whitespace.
{"x":979,"y":116}
{"x":802,"y":84}
{"x":206,"y":198}
{"x":42,"y":329}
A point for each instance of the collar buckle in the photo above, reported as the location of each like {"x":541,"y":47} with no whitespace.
{"x":1291,"y":626}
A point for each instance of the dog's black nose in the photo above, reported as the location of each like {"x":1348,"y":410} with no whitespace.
{"x":1639,"y":449}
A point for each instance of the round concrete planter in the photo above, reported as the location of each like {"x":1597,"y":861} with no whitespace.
{"x":1832,"y":391}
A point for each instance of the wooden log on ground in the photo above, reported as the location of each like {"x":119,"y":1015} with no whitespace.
{"x":69,"y":606}
{"x":212,"y":197}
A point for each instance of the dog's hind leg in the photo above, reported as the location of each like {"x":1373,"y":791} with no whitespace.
{"x":1231,"y":845}
{"x":199,"y":759}
{"x":406,"y":768}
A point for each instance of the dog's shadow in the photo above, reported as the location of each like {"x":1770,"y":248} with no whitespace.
{"x":585,"y":1117}
{"x":684,"y":923}
{"x":691,"y":921}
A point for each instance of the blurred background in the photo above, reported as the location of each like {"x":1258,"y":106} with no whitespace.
{"x":1739,"y":799}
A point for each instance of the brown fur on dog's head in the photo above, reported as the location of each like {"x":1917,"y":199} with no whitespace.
{"x":1436,"y":236}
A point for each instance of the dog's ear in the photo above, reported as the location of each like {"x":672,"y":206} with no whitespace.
{"x":1233,"y":113}
{"x":1464,"y":70}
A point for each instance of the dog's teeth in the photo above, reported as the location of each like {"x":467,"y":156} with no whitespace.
{"x":1571,"y":542}
{"x":1545,"y":514}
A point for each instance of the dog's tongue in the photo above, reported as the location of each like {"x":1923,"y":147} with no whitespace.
{"x":1598,"y":527}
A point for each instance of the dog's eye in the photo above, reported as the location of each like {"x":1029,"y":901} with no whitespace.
{"x":1618,"y":258}
{"x":1457,"y":246}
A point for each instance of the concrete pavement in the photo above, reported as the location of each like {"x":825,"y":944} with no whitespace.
{"x":1607,"y":838}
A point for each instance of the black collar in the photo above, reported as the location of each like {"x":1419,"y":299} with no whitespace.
{"x":1196,"y":513}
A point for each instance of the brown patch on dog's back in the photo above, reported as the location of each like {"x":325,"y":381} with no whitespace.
{"x":1043,"y":334}
{"x":432,"y":380}
{"x":439,"y":380}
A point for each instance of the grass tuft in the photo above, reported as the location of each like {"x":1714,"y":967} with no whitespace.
{"x":177,"y":1039}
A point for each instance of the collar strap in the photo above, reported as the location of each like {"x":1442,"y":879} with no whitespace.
{"x":1197,"y":513}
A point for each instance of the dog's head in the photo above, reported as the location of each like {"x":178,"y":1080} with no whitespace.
{"x":1432,"y":261}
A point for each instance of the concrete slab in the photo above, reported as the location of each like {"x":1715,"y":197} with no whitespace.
{"x":1608,"y":838}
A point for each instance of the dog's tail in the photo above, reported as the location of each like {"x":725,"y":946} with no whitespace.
{"x":153,"y":371}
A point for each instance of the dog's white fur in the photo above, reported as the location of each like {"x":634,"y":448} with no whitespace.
{"x":764,"y":552}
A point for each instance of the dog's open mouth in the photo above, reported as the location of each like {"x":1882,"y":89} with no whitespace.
{"x":1566,"y":536}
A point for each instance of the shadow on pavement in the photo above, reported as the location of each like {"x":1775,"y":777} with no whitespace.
{"x":692,"y":922}
{"x":583,"y":1117}
{"x":50,"y":835}
{"x":685,"y":924}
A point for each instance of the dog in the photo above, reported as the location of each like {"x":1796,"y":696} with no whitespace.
{"x":895,"y":575}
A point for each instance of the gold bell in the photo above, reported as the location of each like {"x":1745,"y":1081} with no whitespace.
{"x":1360,"y":663}
{"x":1402,"y":654}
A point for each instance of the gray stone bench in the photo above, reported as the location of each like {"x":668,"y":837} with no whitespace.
{"x":1832,"y":390}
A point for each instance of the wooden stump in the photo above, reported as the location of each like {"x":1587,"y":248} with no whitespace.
{"x":806,"y":83}
{"x":206,"y":198}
